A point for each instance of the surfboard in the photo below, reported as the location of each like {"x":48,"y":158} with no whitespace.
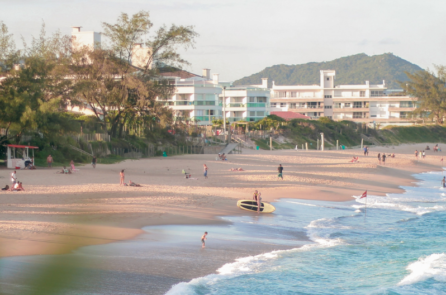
{"x":251,"y":205}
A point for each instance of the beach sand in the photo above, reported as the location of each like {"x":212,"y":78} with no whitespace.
{"x":60,"y":213}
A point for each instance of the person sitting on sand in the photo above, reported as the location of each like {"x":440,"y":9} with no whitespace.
{"x":134,"y":184}
{"x":236,"y":169}
{"x":203,"y":239}
{"x":223,"y":157}
{"x":18,"y":187}
{"x":6,"y":188}
{"x":65,"y":170}
{"x":393,"y":155}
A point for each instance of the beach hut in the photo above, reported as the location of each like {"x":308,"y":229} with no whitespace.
{"x":18,"y":155}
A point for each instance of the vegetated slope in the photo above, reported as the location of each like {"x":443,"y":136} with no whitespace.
{"x":348,"y":133}
{"x":412,"y":134}
{"x":354,"y":69}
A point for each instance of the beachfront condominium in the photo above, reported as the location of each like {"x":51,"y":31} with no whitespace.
{"x":359,"y":103}
{"x":201,"y":99}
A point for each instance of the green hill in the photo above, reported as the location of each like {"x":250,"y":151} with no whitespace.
{"x":354,"y":69}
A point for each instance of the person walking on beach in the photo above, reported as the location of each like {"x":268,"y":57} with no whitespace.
{"x":443,"y":181}
{"x":365,"y":150}
{"x":424,"y":154}
{"x":384,"y":159}
{"x":416,"y":153}
{"x":13,"y":177}
{"x":49,"y":161}
{"x":205,"y":170}
{"x":280,"y":170}
{"x":93,"y":162}
{"x":379,"y":158}
{"x":122,"y":176}
{"x":203,"y":239}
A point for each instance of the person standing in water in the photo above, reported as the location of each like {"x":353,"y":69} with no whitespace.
{"x":205,"y":170}
{"x":122,"y":176}
{"x":280,"y":170}
{"x":203,"y":239}
{"x":443,"y":181}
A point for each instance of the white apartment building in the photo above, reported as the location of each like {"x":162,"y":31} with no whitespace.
{"x":361,"y":103}
{"x":246,"y":103}
{"x":199,"y":100}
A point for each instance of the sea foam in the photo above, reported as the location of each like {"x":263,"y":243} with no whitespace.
{"x":432,"y":266}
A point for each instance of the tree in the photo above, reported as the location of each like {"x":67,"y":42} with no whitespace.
{"x":7,"y":48}
{"x":116,"y":91}
{"x":430,"y":90}
{"x":31,"y":96}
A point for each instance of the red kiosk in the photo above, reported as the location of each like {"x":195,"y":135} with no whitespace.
{"x":18,"y":155}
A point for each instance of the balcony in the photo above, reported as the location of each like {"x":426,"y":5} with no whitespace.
{"x":401,"y":109}
{"x":256,"y":105}
{"x":235,"y":105}
{"x":350,"y":110}
{"x":236,"y":119}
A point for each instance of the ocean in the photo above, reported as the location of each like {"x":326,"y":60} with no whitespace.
{"x":396,"y":245}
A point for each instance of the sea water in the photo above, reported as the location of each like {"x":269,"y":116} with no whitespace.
{"x":392,"y":245}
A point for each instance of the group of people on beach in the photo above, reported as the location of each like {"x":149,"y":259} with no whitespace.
{"x":436,"y":148}
{"x":15,"y":184}
{"x":420,"y":154}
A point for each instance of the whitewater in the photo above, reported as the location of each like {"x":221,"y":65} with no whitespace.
{"x":398,"y":247}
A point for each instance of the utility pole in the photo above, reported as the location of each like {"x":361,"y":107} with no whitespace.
{"x":224,"y":114}
{"x":322,"y":141}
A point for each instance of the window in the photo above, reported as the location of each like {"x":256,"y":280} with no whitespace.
{"x":260,"y":113}
{"x":357,"y":115}
{"x":292,"y":105}
{"x":327,"y":107}
{"x":283,"y":104}
{"x":210,"y":96}
{"x":300,"y":104}
{"x":372,"y":116}
{"x":327,"y":96}
{"x":198,"y":96}
{"x":362,"y":93}
{"x":337,"y":105}
{"x":261,"y":99}
{"x":293,"y":93}
{"x":328,"y":79}
{"x":252,"y":99}
{"x":404,"y":115}
{"x":273,"y":105}
{"x":357,"y":104}
{"x":330,"y":117}
{"x":347,"y":105}
{"x":198,"y":113}
{"x":377,"y":93}
{"x":252,"y":114}
{"x":407,"y":104}
{"x":282,"y":93}
{"x":312,"y":105}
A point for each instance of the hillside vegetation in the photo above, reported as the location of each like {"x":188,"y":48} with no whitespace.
{"x":349,"y":134}
{"x":354,"y":69}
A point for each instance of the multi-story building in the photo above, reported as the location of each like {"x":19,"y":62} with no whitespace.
{"x":360,"y":103}
{"x":247,"y":103}
{"x":199,"y":100}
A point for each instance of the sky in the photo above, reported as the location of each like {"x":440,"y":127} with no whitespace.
{"x":238,"y":38}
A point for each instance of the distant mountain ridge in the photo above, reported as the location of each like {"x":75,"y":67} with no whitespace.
{"x":354,"y":69}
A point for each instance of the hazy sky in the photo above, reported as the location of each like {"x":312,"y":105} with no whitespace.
{"x":241,"y":37}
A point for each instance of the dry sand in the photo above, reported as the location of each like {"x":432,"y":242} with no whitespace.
{"x":58,"y":213}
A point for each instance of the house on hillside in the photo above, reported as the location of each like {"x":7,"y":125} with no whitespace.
{"x":359,"y":103}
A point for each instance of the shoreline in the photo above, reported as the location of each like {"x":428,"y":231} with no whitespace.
{"x":58,"y":218}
